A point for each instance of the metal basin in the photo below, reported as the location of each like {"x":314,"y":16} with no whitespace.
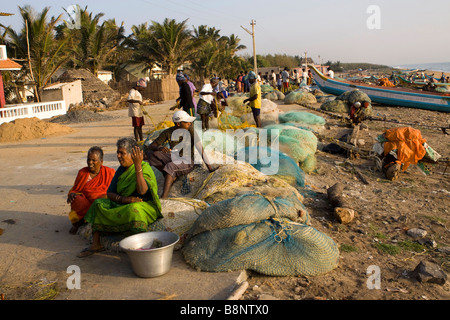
{"x":146,"y":262}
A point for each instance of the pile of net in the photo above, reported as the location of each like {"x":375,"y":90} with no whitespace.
{"x":179,"y":214}
{"x":302,"y":119}
{"x":276,"y":164}
{"x":230,"y":179}
{"x":299,"y":144}
{"x":261,"y":231}
{"x":238,"y":115}
{"x":236,"y":106}
{"x":343,"y":103}
{"x":335,"y":105}
{"x":301,"y":97}
{"x":274,"y":95}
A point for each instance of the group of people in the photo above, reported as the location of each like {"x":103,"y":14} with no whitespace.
{"x":123,"y":200}
{"x":126,"y":200}
{"x":283,"y":79}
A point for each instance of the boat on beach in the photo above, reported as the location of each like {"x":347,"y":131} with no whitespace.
{"x":420,"y":84}
{"x":392,"y":96}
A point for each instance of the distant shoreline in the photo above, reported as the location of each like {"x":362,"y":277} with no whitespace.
{"x":436,"y":67}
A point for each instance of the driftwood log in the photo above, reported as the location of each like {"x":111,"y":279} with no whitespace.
{"x":342,"y":208}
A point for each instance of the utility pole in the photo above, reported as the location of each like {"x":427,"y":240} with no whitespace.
{"x":306,"y":62}
{"x":255,"y":65}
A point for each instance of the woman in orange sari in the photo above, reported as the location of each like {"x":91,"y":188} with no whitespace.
{"x":91,"y":183}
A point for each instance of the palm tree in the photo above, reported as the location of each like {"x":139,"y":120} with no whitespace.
{"x":140,"y":43}
{"x":93,"y":45}
{"x":217,"y":54}
{"x":170,"y":44}
{"x":37,"y":44}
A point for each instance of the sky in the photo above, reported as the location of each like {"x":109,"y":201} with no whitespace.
{"x":394,"y":32}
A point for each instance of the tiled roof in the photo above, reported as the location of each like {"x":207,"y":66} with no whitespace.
{"x":9,"y":65}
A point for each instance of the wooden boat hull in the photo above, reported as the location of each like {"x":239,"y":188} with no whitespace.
{"x":401,"y":97}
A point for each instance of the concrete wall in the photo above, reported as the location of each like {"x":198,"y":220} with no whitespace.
{"x":70,"y":92}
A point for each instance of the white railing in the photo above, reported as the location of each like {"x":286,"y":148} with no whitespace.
{"x":42,"y":110}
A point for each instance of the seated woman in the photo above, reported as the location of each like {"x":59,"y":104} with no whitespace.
{"x":132,"y":201}
{"x":91,"y":183}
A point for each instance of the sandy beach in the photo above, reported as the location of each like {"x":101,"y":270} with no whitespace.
{"x":36,"y":247}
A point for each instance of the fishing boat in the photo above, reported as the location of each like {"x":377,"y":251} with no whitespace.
{"x":393,"y":96}
{"x":416,"y":83}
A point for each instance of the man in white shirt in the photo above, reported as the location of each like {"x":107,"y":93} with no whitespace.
{"x":207,"y":101}
{"x":273,"y":79}
{"x":134,"y":103}
{"x":285,"y":79}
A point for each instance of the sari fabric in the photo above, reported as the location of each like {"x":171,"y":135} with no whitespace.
{"x":106,"y":215}
{"x":88,"y":190}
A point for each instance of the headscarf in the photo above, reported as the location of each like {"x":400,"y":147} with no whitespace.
{"x":142,"y":83}
{"x":180,"y":77}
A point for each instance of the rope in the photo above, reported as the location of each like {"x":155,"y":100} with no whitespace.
{"x":204,"y":184}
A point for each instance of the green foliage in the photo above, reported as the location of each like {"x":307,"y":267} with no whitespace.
{"x":347,"y":248}
{"x":388,"y":248}
{"x":338,"y":66}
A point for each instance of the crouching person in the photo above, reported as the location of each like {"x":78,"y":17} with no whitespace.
{"x":170,"y":160}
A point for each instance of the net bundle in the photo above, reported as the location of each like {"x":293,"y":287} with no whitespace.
{"x":253,"y":232}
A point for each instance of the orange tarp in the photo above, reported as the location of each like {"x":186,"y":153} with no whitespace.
{"x":409,"y":144}
{"x":385,"y":82}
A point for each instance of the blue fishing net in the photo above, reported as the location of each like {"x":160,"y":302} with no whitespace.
{"x":275,"y":247}
{"x":287,"y":168}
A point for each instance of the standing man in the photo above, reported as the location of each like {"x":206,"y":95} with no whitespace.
{"x":255,"y":98}
{"x":285,"y":79}
{"x":296,"y":77}
{"x":304,"y":77}
{"x":273,"y":79}
{"x":134,"y":103}
{"x":246,"y":82}
{"x":185,"y":99}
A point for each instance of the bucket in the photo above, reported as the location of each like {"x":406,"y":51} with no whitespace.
{"x":150,"y":253}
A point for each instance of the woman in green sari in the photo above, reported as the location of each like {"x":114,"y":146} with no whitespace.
{"x":132,"y":201}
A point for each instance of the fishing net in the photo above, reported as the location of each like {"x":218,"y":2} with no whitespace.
{"x":287,"y":169}
{"x":266,"y":88}
{"x":231,"y":179}
{"x":251,"y":206}
{"x":304,"y":119}
{"x":323,"y":99}
{"x":336,"y":105}
{"x":274,"y":245}
{"x":236,"y":106}
{"x":179,"y":214}
{"x":353,"y":96}
{"x":273,"y":95}
{"x":300,"y":97}
{"x":297,"y":143}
